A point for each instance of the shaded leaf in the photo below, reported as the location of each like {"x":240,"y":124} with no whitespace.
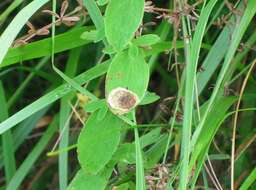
{"x":149,"y":98}
{"x":102,"y":2}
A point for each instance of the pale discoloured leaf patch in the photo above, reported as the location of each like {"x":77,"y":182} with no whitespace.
{"x":122,"y":100}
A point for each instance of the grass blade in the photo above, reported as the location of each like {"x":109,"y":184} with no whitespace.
{"x":236,"y":38}
{"x":64,"y":124}
{"x":249,"y":180}
{"x":192,"y":57}
{"x":33,"y":156}
{"x":52,"y":96}
{"x":7,"y":140}
{"x":140,"y":178}
{"x":63,"y":42}
{"x":94,"y":13}
{"x":16,"y":25}
{"x":13,"y":6}
{"x":24,"y":84}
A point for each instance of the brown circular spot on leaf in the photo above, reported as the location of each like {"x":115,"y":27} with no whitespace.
{"x":122,"y":100}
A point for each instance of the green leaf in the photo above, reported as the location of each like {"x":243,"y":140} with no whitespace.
{"x":192,"y":57}
{"x":149,"y":98}
{"x":64,"y":123}
{"x":249,"y":180}
{"x":7,"y":140}
{"x":125,"y":153}
{"x":92,"y":106}
{"x":98,"y":142}
{"x":100,"y":35}
{"x":16,"y":25}
{"x":89,"y":35}
{"x":52,"y":96}
{"x":102,"y":112}
{"x":124,"y":186}
{"x":9,"y":10}
{"x":140,"y":176}
{"x":102,"y":2}
{"x":122,"y":19}
{"x":97,"y":18}
{"x":146,"y":40}
{"x":63,"y":42}
{"x":128,"y":72}
{"x":94,"y":13}
{"x":94,"y":35}
{"x":34,"y":154}
{"x":87,"y":181}
{"x":154,"y":154}
{"x":133,"y":51}
{"x":236,"y":38}
{"x":109,"y":50}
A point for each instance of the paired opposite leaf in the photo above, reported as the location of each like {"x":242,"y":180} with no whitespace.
{"x":149,"y":98}
{"x":122,"y":19}
{"x":127,"y":72}
{"x":98,"y":141}
{"x":146,"y":40}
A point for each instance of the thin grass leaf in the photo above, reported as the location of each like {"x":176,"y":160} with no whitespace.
{"x":236,"y":38}
{"x":249,"y":180}
{"x":25,"y":83}
{"x":11,"y":7}
{"x":191,"y":67}
{"x":214,"y":121}
{"x":94,"y":13}
{"x":16,"y":25}
{"x":52,"y":96}
{"x":7,"y":141}
{"x":140,"y":176}
{"x":216,"y":54}
{"x":32,"y":157}
{"x":74,"y":84}
{"x":63,"y":42}
{"x":140,"y":179}
{"x":65,"y":111}
{"x":96,"y":16}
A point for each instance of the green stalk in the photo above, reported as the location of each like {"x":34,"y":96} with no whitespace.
{"x":7,"y":141}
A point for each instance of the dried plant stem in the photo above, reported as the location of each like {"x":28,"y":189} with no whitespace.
{"x":235,"y":124}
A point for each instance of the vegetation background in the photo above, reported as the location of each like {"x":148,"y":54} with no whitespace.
{"x":194,"y":127}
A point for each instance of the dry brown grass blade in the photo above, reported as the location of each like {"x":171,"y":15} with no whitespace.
{"x":235,"y":124}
